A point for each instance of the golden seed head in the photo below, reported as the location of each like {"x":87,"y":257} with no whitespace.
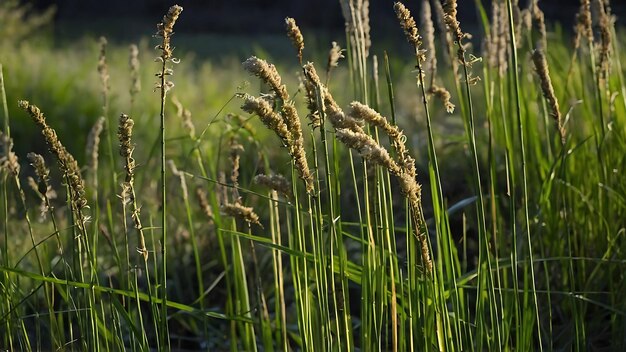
{"x":67,"y":163}
{"x":359,"y":111}
{"x":124,"y":134}
{"x":332,"y":110}
{"x":296,"y":144}
{"x":541,"y":66}
{"x":42,"y":172}
{"x":293,"y":32}
{"x":239,"y":211}
{"x":408,"y":25}
{"x":311,"y":83}
{"x":442,"y":94}
{"x":334,"y":54}
{"x":450,"y":18}
{"x":165,"y":29}
{"x":368,"y":148}
{"x":268,"y":116}
{"x":268,"y":74}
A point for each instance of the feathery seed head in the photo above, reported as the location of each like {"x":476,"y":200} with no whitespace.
{"x":244,"y":213}
{"x":541,"y":66}
{"x":268,"y":116}
{"x":165,"y":29}
{"x":408,"y":25}
{"x":368,"y":148}
{"x":268,"y":74}
{"x":124,"y":134}
{"x":67,"y":163}
{"x":442,"y":94}
{"x":450,"y":18}
{"x":293,"y":32}
{"x":334,"y":54}
{"x":42,"y":172}
{"x":359,"y":111}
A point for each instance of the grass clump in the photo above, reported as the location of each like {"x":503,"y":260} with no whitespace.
{"x":485,"y":217}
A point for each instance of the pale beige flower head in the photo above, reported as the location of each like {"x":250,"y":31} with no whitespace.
{"x":407,"y":22}
{"x":165,"y":29}
{"x":293,"y":32}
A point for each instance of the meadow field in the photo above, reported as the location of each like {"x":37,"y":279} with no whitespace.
{"x":450,"y":191}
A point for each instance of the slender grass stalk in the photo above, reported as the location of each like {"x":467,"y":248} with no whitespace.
{"x":450,"y":18}
{"x":522,"y":151}
{"x":8,"y":338}
{"x":165,"y":31}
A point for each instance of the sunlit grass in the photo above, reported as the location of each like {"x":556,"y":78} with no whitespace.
{"x":496,"y":225}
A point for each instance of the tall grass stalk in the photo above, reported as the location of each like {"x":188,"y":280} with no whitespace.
{"x":522,"y":151}
{"x":164,"y":31}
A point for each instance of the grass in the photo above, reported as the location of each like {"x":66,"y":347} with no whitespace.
{"x":391,"y":223}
